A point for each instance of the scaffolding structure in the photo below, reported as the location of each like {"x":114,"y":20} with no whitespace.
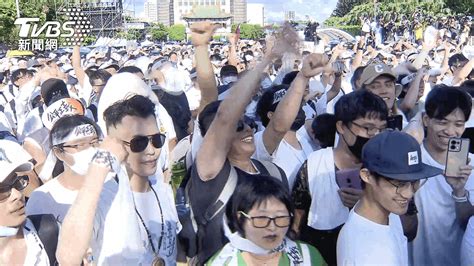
{"x":105,"y":17}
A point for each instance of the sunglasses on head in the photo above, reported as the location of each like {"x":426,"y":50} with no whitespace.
{"x":139,"y":143}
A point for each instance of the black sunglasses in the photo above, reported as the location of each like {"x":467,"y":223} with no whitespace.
{"x":20,"y":183}
{"x":139,"y":143}
{"x":246,"y":121}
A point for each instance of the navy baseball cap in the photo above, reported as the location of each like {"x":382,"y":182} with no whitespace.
{"x":396,"y":155}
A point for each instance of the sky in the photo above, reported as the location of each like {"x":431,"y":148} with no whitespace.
{"x":318,"y":10}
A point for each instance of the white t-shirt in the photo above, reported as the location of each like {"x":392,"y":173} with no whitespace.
{"x":467,"y":246}
{"x":51,"y":198}
{"x":147,"y":206}
{"x":364,"y":242}
{"x":327,"y":210}
{"x":439,"y":236}
{"x":35,"y":253}
{"x":285,"y":156}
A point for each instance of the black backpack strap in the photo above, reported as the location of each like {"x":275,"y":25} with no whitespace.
{"x":48,"y":231}
{"x":274,"y":171}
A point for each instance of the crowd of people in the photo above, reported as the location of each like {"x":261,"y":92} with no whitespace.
{"x":242,"y":153}
{"x":392,"y":27}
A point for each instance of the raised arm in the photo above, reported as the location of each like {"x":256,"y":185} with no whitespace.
{"x":201,"y":34}
{"x":288,"y":108}
{"x":461,"y":75}
{"x":76,"y":65}
{"x":217,"y":141}
{"x":233,"y":41}
{"x":77,"y":227}
{"x":411,"y":97}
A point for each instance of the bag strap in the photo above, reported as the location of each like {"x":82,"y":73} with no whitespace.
{"x":272,"y":169}
{"x":48,"y":231}
{"x":223,"y":198}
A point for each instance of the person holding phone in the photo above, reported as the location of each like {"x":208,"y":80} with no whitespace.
{"x":360,"y":115}
{"x":443,"y":204}
{"x":390,"y":180}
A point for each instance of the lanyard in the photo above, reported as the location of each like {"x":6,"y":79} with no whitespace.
{"x":162,"y":224}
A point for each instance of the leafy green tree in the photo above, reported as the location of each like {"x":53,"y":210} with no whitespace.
{"x":158,"y":32}
{"x":177,"y":32}
{"x":250,"y":31}
{"x":345,"y":6}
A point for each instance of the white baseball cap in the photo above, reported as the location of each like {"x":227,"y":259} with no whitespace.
{"x":13,"y":158}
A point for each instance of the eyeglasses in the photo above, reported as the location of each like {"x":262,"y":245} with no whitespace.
{"x":369,"y":130}
{"x":139,"y":143}
{"x":264,"y":221}
{"x":82,"y":146}
{"x":20,"y":183}
{"x":403,"y":186}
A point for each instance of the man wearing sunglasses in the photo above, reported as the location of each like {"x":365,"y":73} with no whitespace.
{"x":135,"y":140}
{"x":390,"y":180}
{"x":19,"y":241}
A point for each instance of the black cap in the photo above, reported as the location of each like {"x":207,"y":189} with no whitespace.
{"x":53,"y":90}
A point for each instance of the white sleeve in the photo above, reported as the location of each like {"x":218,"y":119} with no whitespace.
{"x":261,"y":152}
{"x":166,"y":121}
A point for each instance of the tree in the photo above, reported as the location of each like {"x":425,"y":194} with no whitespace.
{"x":177,"y":32}
{"x":158,"y":32}
{"x":345,"y":6}
{"x":250,"y":31}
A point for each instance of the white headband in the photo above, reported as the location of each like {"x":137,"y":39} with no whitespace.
{"x":79,"y":132}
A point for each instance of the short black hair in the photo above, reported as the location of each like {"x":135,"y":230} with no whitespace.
{"x":17,"y":74}
{"x":443,"y":100}
{"x":99,"y":74}
{"x":468,"y":86}
{"x":253,"y":191}
{"x":265,"y":104}
{"x":66,"y":124}
{"x":360,"y":104}
{"x":376,"y":176}
{"x":206,"y":116}
{"x":324,"y":129}
{"x":130,"y":69}
{"x":136,"y":105}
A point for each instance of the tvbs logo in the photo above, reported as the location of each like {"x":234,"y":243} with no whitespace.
{"x":52,"y":29}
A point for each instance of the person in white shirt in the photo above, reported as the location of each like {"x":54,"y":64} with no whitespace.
{"x":443,"y":204}
{"x":129,"y":218}
{"x":19,"y":241}
{"x":73,"y":139}
{"x":322,"y":203}
{"x":373,"y":233}
{"x":281,"y":114}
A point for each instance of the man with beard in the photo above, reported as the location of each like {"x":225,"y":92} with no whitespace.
{"x":360,"y":115}
{"x":282,"y":116}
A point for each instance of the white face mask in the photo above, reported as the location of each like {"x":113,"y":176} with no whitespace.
{"x":6,"y":231}
{"x":82,"y":160}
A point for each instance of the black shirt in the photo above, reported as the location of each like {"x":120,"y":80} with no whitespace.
{"x":202,"y":194}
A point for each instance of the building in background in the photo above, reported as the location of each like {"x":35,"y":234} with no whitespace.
{"x":184,"y":8}
{"x":150,"y":8}
{"x":238,"y":8}
{"x":289,"y":15}
{"x":160,"y":11}
{"x":256,"y":14}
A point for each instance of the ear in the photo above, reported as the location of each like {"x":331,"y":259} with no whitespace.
{"x":340,"y":128}
{"x":425,"y":120}
{"x":365,"y":175}
{"x":58,"y":153}
{"x":270,"y":115}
